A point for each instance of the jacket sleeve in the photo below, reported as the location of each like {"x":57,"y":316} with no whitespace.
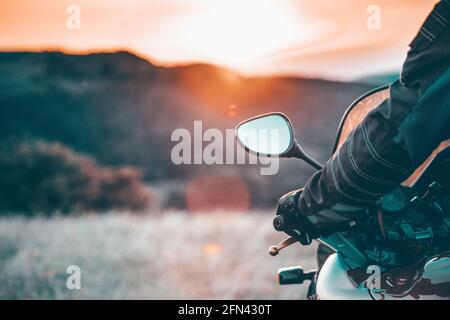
{"x":397,"y":136}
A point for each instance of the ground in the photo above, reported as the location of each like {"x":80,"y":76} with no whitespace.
{"x":172,"y":255}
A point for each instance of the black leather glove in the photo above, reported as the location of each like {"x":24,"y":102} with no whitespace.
{"x":291,"y":221}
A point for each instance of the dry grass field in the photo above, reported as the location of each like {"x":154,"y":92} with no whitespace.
{"x":171,"y":255}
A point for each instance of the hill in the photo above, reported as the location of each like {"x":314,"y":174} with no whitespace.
{"x":121,"y":110}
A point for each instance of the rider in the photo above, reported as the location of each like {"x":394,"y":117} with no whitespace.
{"x":392,"y":140}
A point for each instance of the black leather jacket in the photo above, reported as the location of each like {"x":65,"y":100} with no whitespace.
{"x":396,"y":137}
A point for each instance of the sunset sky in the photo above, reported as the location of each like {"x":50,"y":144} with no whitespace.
{"x":322,"y":38}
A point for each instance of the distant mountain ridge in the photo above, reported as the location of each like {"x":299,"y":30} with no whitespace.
{"x":380,"y":79}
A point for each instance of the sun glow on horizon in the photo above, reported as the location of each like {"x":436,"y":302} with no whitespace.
{"x":236,"y":33}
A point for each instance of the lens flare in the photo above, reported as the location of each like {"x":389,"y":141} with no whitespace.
{"x":211,"y":193}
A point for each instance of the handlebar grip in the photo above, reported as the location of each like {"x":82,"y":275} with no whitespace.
{"x":278,"y":223}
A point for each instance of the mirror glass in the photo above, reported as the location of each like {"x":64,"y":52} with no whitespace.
{"x":269,"y":134}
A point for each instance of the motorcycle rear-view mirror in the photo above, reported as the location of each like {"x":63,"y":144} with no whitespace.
{"x":267,"y":135}
{"x":271,"y":135}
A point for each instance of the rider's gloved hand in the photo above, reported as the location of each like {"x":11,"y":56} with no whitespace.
{"x":292,"y":221}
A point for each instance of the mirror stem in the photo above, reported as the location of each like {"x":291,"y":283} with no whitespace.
{"x":297,"y":152}
{"x":313,"y":163}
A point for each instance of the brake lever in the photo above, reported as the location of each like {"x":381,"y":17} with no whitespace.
{"x":274,"y":250}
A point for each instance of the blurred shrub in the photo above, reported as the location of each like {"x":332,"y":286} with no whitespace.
{"x":36,"y":176}
{"x":171,"y":194}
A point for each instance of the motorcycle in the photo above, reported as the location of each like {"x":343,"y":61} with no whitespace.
{"x":399,"y":249}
